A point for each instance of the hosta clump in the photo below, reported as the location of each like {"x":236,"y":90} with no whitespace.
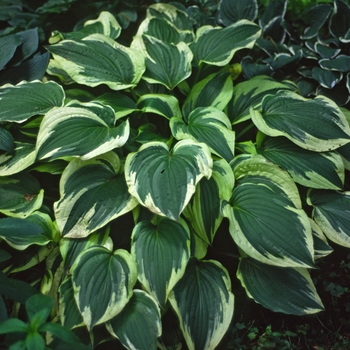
{"x":148,"y":147}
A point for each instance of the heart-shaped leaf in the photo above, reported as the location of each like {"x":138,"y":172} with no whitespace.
{"x":164,"y":181}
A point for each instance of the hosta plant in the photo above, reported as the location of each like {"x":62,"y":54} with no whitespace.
{"x":120,"y":167}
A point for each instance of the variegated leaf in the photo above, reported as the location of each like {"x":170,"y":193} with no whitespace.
{"x":161,"y":251}
{"x":163,"y":180}
{"x":266,"y":219}
{"x":26,"y":99}
{"x":203,"y":303}
{"x":164,"y":105}
{"x":83,"y":130}
{"x":138,"y":326}
{"x":209,"y":125}
{"x":280,"y":289}
{"x":321,"y":246}
{"x":102,"y":283}
{"x":320,"y":127}
{"x":332,"y":214}
{"x":93,"y":193}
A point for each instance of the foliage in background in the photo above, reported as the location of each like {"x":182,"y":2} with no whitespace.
{"x":120,"y":168}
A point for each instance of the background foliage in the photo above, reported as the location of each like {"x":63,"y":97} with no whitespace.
{"x":163,"y":164}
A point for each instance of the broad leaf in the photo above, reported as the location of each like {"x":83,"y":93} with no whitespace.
{"x":216,"y":45}
{"x":331,"y":214}
{"x":164,"y":181}
{"x":326,"y":78}
{"x":161,"y":252}
{"x":23,"y":156}
{"x":320,"y":127}
{"x":203,"y":294}
{"x":231,"y":11}
{"x":318,"y":16}
{"x":92,"y":194}
{"x":164,"y":105}
{"x":8,"y":47}
{"x":204,"y":209}
{"x":138,"y":326}
{"x":311,"y":169}
{"x":266,"y":219}
{"x":20,"y":195}
{"x":21,"y":233}
{"x":38,"y":308}
{"x":341,"y":63}
{"x":250,"y":94}
{"x":280,"y":289}
{"x":22,"y":101}
{"x":166,"y":64}
{"x":213,"y":91}
{"x":83,"y":130}
{"x":102,"y":282}
{"x":92,"y":62}
{"x":208,"y":125}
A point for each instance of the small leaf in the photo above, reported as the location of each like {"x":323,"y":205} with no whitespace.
{"x":13,"y":325}
{"x":231,"y":11}
{"x":39,"y":307}
{"x":6,"y":141}
{"x":109,"y":275}
{"x":164,"y":181}
{"x":8,"y":47}
{"x":22,"y":101}
{"x":203,"y":303}
{"x":138,"y":326}
{"x":280,"y":289}
{"x":164,"y":105}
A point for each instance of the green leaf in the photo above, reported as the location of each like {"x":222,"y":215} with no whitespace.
{"x":13,"y":325}
{"x":23,"y":156}
{"x":34,"y":341}
{"x":164,"y":105}
{"x":331,"y":214}
{"x":204,"y":209}
{"x":93,"y":62}
{"x":321,"y":127}
{"x":6,"y":141}
{"x":20,"y":195}
{"x":92,"y":194}
{"x":208,"y":125}
{"x":216,"y":45}
{"x":231,"y":11}
{"x":8,"y":47}
{"x":164,"y":181}
{"x":103,"y":282}
{"x":321,"y":246}
{"x":266,"y":219}
{"x":250,"y":93}
{"x":318,"y":16}
{"x":280,"y":289}
{"x":311,"y":169}
{"x":21,"y":233}
{"x":203,"y":303}
{"x":161,"y":252}
{"x":138,"y":325}
{"x":166,"y":63}
{"x":341,"y":63}
{"x":69,"y":312}
{"x":213,"y":91}
{"x":26,"y":99}
{"x":83,"y":130}
{"x":325,"y":77}
{"x":38,"y":308}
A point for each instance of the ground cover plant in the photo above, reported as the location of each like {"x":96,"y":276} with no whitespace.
{"x":149,"y":186}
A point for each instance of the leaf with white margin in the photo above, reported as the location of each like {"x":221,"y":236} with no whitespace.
{"x":213,"y":91}
{"x":321,"y":246}
{"x":280,"y":289}
{"x":164,"y":105}
{"x":164,"y":181}
{"x":94,"y":62}
{"x":208,"y":125}
{"x":314,"y":124}
{"x":20,"y":195}
{"x":102,"y":283}
{"x":323,"y":170}
{"x":166,"y":64}
{"x":217,"y":45}
{"x":26,"y":99}
{"x":266,"y":219}
{"x":21,"y":233}
{"x":83,"y":130}
{"x":92,"y":193}
{"x":24,"y":156}
{"x":332,"y":214}
{"x":204,"y":209}
{"x":203,"y":302}
{"x":138,"y":325}
{"x":161,"y":251}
